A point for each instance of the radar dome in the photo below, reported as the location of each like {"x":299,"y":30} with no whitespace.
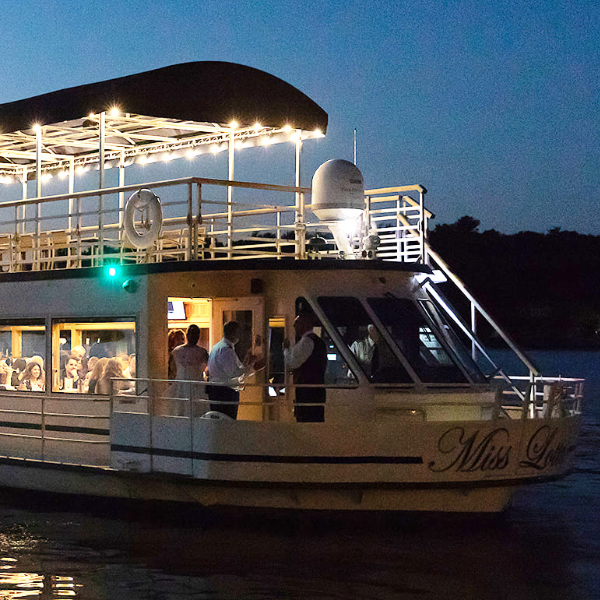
{"x":338,"y":191}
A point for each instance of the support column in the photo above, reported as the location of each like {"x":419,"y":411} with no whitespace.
{"x":101,"y":135}
{"x":71,"y":190}
{"x":121,"y":194}
{"x":24,"y":196}
{"x":300,"y":226}
{"x":38,"y":185}
{"x":230,"y":194}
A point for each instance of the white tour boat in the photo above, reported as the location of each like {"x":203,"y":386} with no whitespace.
{"x":435,"y":425}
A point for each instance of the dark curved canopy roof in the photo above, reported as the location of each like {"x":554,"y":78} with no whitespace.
{"x":207,"y":92}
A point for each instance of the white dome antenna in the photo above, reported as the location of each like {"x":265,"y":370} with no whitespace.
{"x":338,"y":198}
{"x":338,"y":191}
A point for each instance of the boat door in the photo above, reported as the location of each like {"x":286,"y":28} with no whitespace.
{"x":249,"y":313}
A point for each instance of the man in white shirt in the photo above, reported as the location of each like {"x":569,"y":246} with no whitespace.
{"x":365,"y":351}
{"x":308,"y":361}
{"x":225,"y":367}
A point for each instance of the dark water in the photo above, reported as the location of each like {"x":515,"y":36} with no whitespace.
{"x":547,"y":546}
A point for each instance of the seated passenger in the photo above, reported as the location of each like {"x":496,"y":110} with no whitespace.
{"x":69,"y":375}
{"x":113,"y":369}
{"x":5,"y":373}
{"x":96,"y":374}
{"x":79,"y":353}
{"x":19,"y":365}
{"x":124,"y":358}
{"x":33,"y":378}
{"x":39,"y":360}
{"x":364,"y":351}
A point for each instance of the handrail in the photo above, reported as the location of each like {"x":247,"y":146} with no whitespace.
{"x":461,"y":286}
{"x":26,"y":241}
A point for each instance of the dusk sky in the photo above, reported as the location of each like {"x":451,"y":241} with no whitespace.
{"x":493,"y":106}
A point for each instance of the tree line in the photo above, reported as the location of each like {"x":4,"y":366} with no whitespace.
{"x":542,"y":288}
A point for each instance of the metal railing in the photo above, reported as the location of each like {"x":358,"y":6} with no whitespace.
{"x":542,"y":397}
{"x":35,"y":429}
{"x":519,"y":397}
{"x":264,"y":221}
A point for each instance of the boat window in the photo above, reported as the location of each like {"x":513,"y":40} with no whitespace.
{"x":364,"y":340}
{"x":418,"y":340}
{"x":453,"y":342}
{"x":23,"y":355}
{"x":338,"y":372}
{"x":85,"y":354}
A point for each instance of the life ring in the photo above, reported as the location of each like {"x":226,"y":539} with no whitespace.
{"x":147,"y":203}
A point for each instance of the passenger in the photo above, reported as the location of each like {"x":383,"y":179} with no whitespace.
{"x":69,"y":375}
{"x":91,"y":363}
{"x":124,"y":358}
{"x":190,"y":363}
{"x":96,"y":374}
{"x":366,"y":352}
{"x":113,"y":369}
{"x":6,"y":372}
{"x":132,"y":365}
{"x":308,"y":360}
{"x":33,"y":378}
{"x":19,"y":366}
{"x":39,"y":360}
{"x":176,"y":338}
{"x":79,"y":353}
{"x":225,"y":367}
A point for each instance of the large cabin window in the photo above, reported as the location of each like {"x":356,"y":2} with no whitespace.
{"x":418,"y":340}
{"x":86,"y":354}
{"x":23,"y":360}
{"x":364,"y":340}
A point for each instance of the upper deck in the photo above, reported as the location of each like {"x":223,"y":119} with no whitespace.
{"x":58,"y":152}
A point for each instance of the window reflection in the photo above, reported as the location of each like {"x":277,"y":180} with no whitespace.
{"x":419,"y":342}
{"x":372,"y":352}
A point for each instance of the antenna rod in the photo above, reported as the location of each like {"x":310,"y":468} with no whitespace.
{"x":355,"y":145}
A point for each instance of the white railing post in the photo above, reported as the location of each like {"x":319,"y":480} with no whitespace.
{"x":299,"y":227}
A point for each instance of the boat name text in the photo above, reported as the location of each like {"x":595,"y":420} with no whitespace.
{"x":544,"y":450}
{"x":474,"y":452}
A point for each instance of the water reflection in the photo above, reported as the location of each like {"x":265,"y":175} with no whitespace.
{"x":141,"y":552}
{"x":30,"y":585}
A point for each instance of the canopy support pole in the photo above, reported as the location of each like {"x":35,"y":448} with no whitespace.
{"x":121,"y":194}
{"x":300,"y":227}
{"x":24,"y":195}
{"x":101,"y":185}
{"x":71,"y":190}
{"x":230,"y":194}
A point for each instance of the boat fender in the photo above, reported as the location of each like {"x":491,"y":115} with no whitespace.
{"x":147,"y":203}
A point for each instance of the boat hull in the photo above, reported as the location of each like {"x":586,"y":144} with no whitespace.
{"x":85,"y":481}
{"x":464,"y":467}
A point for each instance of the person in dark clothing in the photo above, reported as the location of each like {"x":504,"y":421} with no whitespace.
{"x":308,"y":361}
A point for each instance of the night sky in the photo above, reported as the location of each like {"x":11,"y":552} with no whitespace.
{"x":493,"y":106}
